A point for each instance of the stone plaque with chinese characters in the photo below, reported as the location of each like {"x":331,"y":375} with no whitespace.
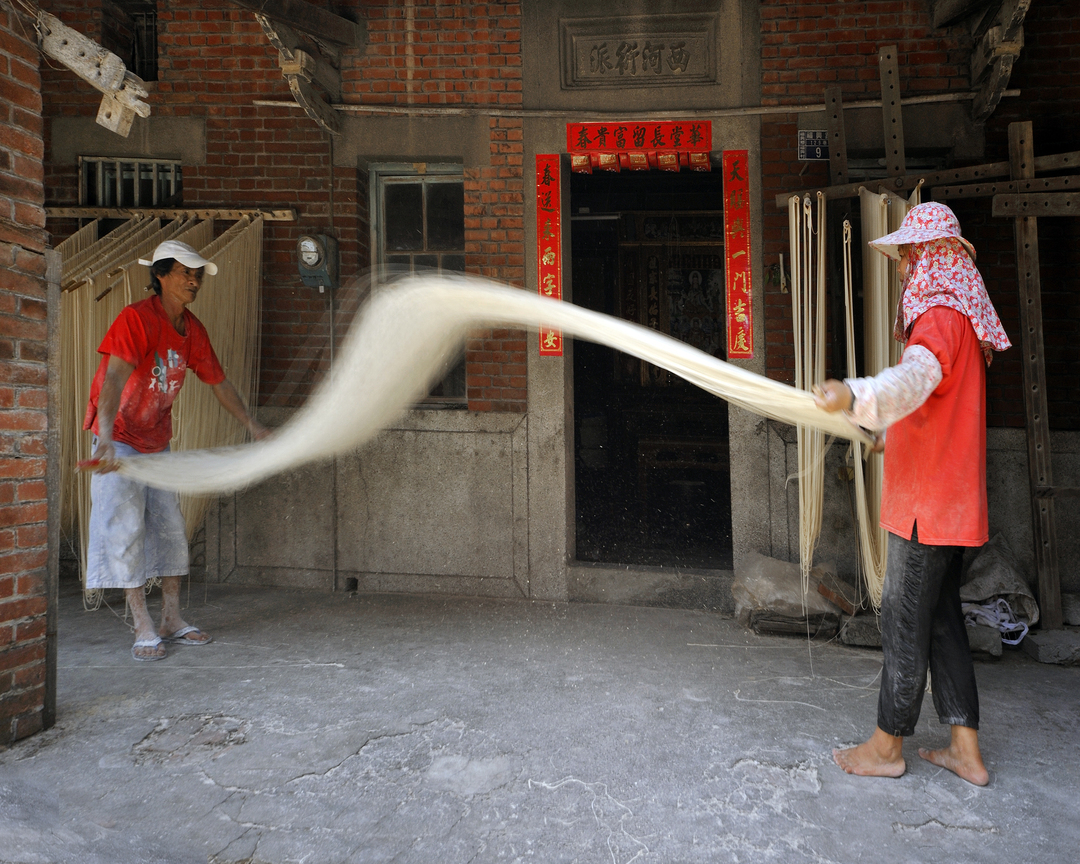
{"x":640,"y":51}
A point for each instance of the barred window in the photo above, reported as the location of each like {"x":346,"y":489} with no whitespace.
{"x":109,"y":182}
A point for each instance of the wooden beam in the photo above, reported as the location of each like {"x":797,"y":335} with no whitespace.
{"x":1033,"y":364}
{"x":308,"y":18}
{"x":990,"y":48}
{"x":1012,"y":17}
{"x":953,"y":176}
{"x":290,"y":43}
{"x":834,"y":122}
{"x":945,"y":12}
{"x":285,"y":215}
{"x":891,"y":116}
{"x":1058,"y":492}
{"x":1038,"y":204}
{"x":981,"y":23}
{"x":313,"y":103}
{"x":1007,"y":187}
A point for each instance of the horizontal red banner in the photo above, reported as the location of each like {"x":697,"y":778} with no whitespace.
{"x":686,"y":135}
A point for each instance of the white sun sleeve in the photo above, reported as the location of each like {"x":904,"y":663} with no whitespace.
{"x":896,"y":392}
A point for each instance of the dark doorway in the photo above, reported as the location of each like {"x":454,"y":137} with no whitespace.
{"x":653,"y":484}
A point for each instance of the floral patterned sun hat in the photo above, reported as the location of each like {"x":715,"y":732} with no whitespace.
{"x":923,"y":223}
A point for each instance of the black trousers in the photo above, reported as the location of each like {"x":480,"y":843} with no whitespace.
{"x":922,"y":624}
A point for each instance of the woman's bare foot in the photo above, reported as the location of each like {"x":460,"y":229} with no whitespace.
{"x":962,"y":756}
{"x":879,"y":756}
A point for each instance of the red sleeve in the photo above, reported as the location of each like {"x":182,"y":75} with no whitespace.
{"x":203,"y":361}
{"x":129,"y":337}
{"x":940,"y":330}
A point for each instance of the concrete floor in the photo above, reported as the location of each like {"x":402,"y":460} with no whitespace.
{"x":333,"y":728}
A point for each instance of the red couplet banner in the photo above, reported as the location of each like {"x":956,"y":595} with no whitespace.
{"x":740,"y":317}
{"x":548,"y":244}
{"x":685,"y":135}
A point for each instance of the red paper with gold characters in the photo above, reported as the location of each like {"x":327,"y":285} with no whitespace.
{"x":740,"y":316}
{"x":623,"y":137}
{"x":548,"y":244}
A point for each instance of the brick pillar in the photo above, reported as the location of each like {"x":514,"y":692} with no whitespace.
{"x":24,"y":394}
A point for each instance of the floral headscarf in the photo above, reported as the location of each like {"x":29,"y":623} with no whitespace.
{"x":941,"y":272}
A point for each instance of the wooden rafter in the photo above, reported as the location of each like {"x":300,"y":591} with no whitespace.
{"x":308,"y":18}
{"x":303,"y":65}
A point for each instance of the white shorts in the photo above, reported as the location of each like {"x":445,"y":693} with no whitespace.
{"x":137,"y":533}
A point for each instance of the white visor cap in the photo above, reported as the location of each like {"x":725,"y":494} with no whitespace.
{"x":183,"y":253}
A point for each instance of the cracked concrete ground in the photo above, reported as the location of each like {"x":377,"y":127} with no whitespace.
{"x":335,"y":728}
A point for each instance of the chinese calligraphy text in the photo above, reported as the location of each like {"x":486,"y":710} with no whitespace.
{"x":548,"y":244}
{"x":740,"y":304}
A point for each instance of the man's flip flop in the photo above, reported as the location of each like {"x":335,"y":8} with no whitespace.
{"x":180,"y":637}
{"x":148,"y":643}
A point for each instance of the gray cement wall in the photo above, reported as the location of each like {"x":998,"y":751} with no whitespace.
{"x":1007,"y":491}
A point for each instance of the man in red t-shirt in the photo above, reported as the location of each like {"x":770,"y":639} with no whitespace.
{"x":933,"y":497}
{"x":137,"y":532}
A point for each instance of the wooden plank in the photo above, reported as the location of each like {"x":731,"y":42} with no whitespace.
{"x":902,"y":184}
{"x":945,"y":12}
{"x":1033,"y":364}
{"x":1041,"y":204}
{"x":286,"y":215}
{"x":990,"y":47}
{"x":313,"y":104}
{"x":289,"y":43}
{"x":988,"y":19}
{"x":1005,"y":187}
{"x":891,"y":115}
{"x":308,"y":18}
{"x":1058,"y":492}
{"x":989,"y":171}
{"x":834,"y":122}
{"x":993,"y":87}
{"x":1012,"y":17}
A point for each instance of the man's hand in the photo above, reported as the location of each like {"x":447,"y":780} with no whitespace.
{"x":833,"y":395}
{"x":105,"y":458}
{"x":257,"y":430}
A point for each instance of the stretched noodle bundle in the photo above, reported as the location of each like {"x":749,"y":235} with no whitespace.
{"x":401,"y":342}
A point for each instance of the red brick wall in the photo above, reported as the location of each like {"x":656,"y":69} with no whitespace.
{"x":23,"y":387}
{"x":464,"y":53}
{"x":808,"y":47}
{"x":214,"y":61}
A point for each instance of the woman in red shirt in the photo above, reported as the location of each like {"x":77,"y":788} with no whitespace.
{"x":933,"y":498}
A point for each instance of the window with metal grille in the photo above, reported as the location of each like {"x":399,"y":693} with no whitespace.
{"x":129,"y":30}
{"x":418,"y":224}
{"x":106,"y":182}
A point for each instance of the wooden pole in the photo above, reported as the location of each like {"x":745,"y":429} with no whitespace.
{"x":1040,"y":474}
